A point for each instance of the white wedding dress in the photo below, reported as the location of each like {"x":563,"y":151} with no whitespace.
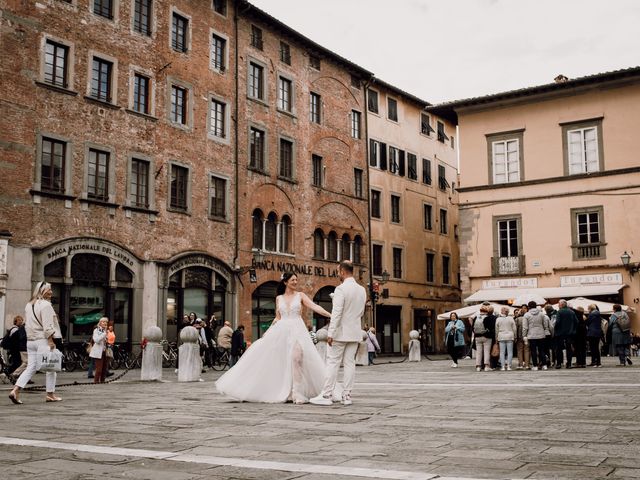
{"x":282,"y":366}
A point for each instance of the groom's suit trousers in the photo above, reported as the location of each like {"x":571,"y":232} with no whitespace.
{"x":345,"y":353}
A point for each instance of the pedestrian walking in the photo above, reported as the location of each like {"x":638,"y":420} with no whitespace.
{"x":483,"y":339}
{"x":454,"y":338}
{"x":99,"y":350}
{"x":237,"y":345}
{"x":224,"y":336}
{"x":506,"y":332}
{"x":15,"y":342}
{"x":41,"y":326}
{"x":373,"y":347}
{"x":535,"y":329}
{"x":522,"y":347}
{"x":580,"y":340}
{"x":620,"y":326}
{"x":594,"y":334}
{"x":565,"y":328}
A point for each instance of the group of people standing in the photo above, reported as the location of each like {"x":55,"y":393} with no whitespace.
{"x":539,"y":337}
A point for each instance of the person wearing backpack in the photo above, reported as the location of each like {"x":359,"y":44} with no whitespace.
{"x":483,"y":338}
{"x":620,"y":326}
{"x":535,"y":329}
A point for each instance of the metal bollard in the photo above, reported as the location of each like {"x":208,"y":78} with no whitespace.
{"x":414,"y":347}
{"x":152,"y":355}
{"x":190,"y":362}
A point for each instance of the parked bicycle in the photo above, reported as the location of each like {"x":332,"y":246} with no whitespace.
{"x":169,"y":354}
{"x":221,"y":357}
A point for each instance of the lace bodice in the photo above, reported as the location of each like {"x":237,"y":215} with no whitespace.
{"x":292,"y":309}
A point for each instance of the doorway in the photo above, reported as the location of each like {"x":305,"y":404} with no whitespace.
{"x":388,"y":320}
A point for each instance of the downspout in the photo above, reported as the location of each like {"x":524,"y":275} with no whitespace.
{"x":369,"y":82}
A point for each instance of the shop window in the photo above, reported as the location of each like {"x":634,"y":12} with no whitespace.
{"x":263,"y":308}
{"x":55,"y":268}
{"x":123,"y":274}
{"x":323,"y":298}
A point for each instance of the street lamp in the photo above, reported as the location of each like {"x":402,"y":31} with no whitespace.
{"x":632,"y":268}
{"x":385,"y":277}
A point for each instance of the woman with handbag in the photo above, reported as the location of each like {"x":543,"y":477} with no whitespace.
{"x":99,"y":350}
{"x":454,"y":338}
{"x":41,"y":326}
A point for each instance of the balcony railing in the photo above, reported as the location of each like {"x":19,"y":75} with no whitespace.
{"x":588,"y":252}
{"x":508,"y":265}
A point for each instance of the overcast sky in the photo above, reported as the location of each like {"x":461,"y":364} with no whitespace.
{"x":442,"y":50}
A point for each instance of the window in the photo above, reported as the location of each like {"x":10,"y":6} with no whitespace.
{"x":431,"y":268}
{"x":314,"y":107}
{"x":395,"y":209}
{"x":220,"y":6}
{"x":179,"y":33}
{"x":270,"y":235}
{"x":258,"y":228}
{"x":374,"y":153}
{"x":104,"y":8}
{"x":52,"y":165}
{"x":141,"y":93}
{"x":285,"y":94}
{"x":355,"y":124}
{"x":427,"y":211}
{"x":318,"y":244}
{"x":218,"y":119}
{"x":179,"y":188}
{"x":377,"y":260}
{"x":316,"y":162}
{"x":285,"y":235}
{"x":425,"y":124}
{"x":139,"y":187}
{"x":506,"y":161}
{"x":256,"y":37}
{"x":256,"y":81}
{"x":392,"y":109}
{"x":179,"y":105}
{"x":507,"y":246}
{"x":446,"y":274}
{"x":588,"y":233}
{"x":394,"y":166}
{"x":98,"y":175}
{"x":508,"y":238}
{"x":332,"y":247}
{"x":443,"y":184}
{"x":426,"y":171}
{"x":218,"y":52}
{"x":56,"y":64}
{"x":286,"y":159}
{"x":357,"y":249}
{"x":413,"y":166}
{"x":314,"y":61}
{"x":372,"y":101}
{"x":285,"y":53}
{"x":345,"y":247}
{"x":375,"y":204}
{"x":583,"y":150}
{"x":397,"y":262}
{"x":142,"y":16}
{"x":256,"y":159}
{"x":101,"y":79}
{"x":217,"y":197}
{"x":444,"y":227}
{"x":357,"y":175}
{"x":442,"y":136}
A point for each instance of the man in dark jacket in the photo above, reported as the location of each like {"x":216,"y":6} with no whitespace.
{"x":564,"y":331}
{"x":490,"y":325}
{"x":237,"y":345}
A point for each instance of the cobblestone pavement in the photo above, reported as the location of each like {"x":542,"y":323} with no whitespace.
{"x":409,"y":421}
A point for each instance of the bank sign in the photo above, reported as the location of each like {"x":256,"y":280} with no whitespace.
{"x":299,"y":269}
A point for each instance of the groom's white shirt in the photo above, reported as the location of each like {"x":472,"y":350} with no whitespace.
{"x":349,"y":301}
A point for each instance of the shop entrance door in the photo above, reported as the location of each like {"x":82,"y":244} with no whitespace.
{"x":388,"y":319}
{"x":423,"y":322}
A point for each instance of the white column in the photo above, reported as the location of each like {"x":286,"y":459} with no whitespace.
{"x":326,"y":247}
{"x":351,"y":250}
{"x":339,"y":247}
{"x":278,"y":237}
{"x":264,"y":233}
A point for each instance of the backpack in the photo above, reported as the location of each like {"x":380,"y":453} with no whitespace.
{"x":478,"y":326}
{"x":623,"y":322}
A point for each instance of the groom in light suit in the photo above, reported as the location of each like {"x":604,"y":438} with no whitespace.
{"x":345,"y":333}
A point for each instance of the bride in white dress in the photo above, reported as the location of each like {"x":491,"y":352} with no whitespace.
{"x":284,"y":364}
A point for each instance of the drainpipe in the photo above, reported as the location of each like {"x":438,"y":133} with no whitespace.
{"x":368,"y":83}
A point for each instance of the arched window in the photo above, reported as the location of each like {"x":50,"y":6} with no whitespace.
{"x":270,"y":232}
{"x":332,"y":247}
{"x":318,"y":244}
{"x":285,"y":235}
{"x":357,"y":249}
{"x":257,"y":228}
{"x":345,"y":246}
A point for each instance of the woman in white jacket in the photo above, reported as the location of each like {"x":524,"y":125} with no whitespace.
{"x":99,"y":350}
{"x":41,"y":326}
{"x":505,"y":335}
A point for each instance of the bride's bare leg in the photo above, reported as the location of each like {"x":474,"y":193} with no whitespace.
{"x":297,"y":394}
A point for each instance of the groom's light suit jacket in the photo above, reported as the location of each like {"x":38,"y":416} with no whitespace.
{"x":349,"y":300}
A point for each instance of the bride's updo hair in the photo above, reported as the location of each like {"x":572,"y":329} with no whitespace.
{"x":282,"y":286}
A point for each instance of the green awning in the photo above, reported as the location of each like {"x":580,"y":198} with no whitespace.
{"x":88,"y":318}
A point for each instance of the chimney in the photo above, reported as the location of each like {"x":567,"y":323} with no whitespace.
{"x":561,"y":79}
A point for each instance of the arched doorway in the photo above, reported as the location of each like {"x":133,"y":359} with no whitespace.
{"x":263,"y":308}
{"x":323,"y":298}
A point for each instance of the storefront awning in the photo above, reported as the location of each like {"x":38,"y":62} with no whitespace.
{"x":504,"y":294}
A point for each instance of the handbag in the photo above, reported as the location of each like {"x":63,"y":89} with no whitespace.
{"x":495,"y":350}
{"x":48,"y":360}
{"x":109,"y":352}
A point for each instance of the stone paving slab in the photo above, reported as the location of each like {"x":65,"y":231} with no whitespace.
{"x":421,"y":418}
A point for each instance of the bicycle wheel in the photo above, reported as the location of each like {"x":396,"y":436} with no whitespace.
{"x":115,"y":361}
{"x":70,"y":361}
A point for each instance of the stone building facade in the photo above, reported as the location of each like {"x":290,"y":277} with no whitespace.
{"x":414,"y":219}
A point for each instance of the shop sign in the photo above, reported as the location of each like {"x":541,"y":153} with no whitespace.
{"x":299,"y":269}
{"x":89,"y":246}
{"x":494,"y":283}
{"x":197,"y":261}
{"x":593,"y":279}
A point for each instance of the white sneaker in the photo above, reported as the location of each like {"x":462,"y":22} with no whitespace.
{"x":544,"y":367}
{"x":508,"y":368}
{"x":454,"y":365}
{"x":534,"y":369}
{"x":477,"y":369}
{"x":346,"y":400}
{"x":320,"y":400}
{"x":502,"y":369}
